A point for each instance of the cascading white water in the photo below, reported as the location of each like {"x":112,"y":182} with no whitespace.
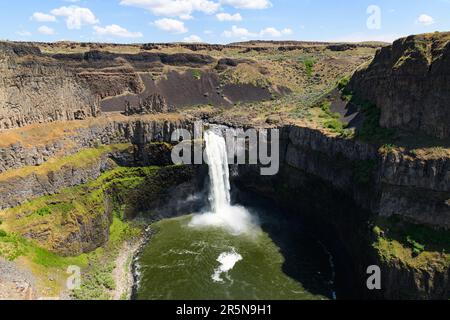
{"x":216,"y":152}
{"x":235,"y":219}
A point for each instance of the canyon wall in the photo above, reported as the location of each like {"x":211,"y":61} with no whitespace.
{"x":410,"y":82}
{"x":19,"y":185}
{"x":384,"y":182}
{"x":318,"y":170}
{"x":136,"y":130}
{"x":341,"y":185}
{"x":37,"y":89}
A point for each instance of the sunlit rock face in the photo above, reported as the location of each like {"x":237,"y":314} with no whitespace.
{"x":34,"y":90}
{"x":410,"y":82}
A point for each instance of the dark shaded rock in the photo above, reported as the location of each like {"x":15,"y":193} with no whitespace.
{"x":152,"y":104}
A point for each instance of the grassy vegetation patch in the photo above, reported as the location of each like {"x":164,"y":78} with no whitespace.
{"x":308,"y":64}
{"x":13,"y":246}
{"x":370,"y":130}
{"x":59,"y":216}
{"x":81,"y":159}
{"x":343,"y":83}
{"x":97,"y":283}
{"x":326,"y":108}
{"x":57,"y":213}
{"x":331,"y":120}
{"x":196,"y":74}
{"x":416,"y":245}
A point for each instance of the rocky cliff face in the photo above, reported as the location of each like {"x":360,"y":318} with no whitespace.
{"x":136,"y":130}
{"x":19,"y":186}
{"x":410,"y":82}
{"x":340,"y":185}
{"x":19,"y":189}
{"x":154,"y":103}
{"x":34,"y":89}
{"x":386,"y":183}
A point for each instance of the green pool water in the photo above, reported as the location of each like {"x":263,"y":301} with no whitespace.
{"x":181,"y":262}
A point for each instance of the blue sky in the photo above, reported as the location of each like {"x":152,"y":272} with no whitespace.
{"x":219,"y":21}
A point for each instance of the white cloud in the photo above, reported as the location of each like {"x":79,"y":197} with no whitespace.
{"x":46,"y":30}
{"x":248,"y":4}
{"x":270,"y":32}
{"x":182,"y":9}
{"x":425,"y":20}
{"x":43,"y":17}
{"x":237,"y":32}
{"x":229,"y":17}
{"x":171,"y":25}
{"x":193,"y":39}
{"x":275,"y":33}
{"x":75,"y":16}
{"x":115,"y":30}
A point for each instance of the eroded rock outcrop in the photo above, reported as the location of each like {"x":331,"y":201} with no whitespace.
{"x":154,"y":103}
{"x":410,"y":82}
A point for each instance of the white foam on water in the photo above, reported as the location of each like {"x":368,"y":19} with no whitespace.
{"x":235,"y":219}
{"x":227,"y":262}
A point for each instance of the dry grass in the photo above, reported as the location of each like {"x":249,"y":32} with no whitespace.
{"x":40,"y":134}
{"x":80,"y":159}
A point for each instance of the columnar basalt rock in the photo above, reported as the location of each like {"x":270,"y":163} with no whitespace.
{"x":36,"y":90}
{"x":320,"y":173}
{"x":410,"y":82}
{"x":132,"y":130}
{"x":19,"y":189}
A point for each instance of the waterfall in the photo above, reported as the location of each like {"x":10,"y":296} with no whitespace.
{"x":235,"y":219}
{"x":216,"y":152}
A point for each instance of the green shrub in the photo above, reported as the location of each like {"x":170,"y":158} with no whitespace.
{"x":371,"y":130}
{"x":343,"y":83}
{"x":309,"y":66}
{"x":335,"y":125}
{"x":326,"y":108}
{"x":416,"y":247}
{"x":3,"y":233}
{"x":44,"y":211}
{"x":196,"y":74}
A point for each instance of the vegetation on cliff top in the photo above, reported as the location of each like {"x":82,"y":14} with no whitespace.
{"x":416,"y":245}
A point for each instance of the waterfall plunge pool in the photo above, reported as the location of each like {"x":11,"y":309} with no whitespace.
{"x":231,"y":252}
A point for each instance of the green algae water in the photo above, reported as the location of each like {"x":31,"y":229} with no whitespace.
{"x":182,"y":263}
